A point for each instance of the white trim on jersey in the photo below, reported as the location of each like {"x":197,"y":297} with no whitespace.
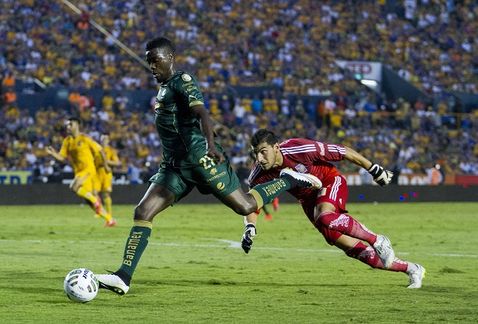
{"x":254,"y":173}
{"x":336,"y":148}
{"x":335,"y":188}
{"x":321,"y":148}
{"x":298,"y":149}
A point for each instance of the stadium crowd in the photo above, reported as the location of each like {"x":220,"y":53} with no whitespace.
{"x":292,"y":44}
{"x":402,"y":136}
{"x":249,"y":43}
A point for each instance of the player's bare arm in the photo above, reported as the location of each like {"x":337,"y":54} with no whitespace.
{"x":357,"y":158}
{"x":207,"y":129}
{"x":104,"y":161}
{"x":50,"y":150}
{"x":114,"y":163}
{"x":380,"y":175}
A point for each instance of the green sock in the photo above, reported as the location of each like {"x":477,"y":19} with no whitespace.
{"x":135,"y":246}
{"x":266,"y":192}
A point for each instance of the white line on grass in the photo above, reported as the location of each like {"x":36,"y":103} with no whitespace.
{"x":230,"y":245}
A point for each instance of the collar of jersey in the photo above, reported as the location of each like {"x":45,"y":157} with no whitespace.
{"x":172,"y":77}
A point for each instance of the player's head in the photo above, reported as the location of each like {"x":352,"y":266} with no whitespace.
{"x":105,"y":139}
{"x":160,"y":54}
{"x":73,"y":125}
{"x":265,"y":147}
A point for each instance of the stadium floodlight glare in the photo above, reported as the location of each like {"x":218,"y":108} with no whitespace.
{"x":369,"y":83}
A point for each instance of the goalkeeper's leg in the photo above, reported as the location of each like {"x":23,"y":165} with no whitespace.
{"x":356,"y":249}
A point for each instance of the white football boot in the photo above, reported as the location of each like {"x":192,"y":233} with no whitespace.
{"x":302,"y":180}
{"x":416,"y":276}
{"x":112,"y":282}
{"x":384,"y":249}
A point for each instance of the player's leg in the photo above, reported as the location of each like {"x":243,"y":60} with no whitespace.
{"x":99,"y":185}
{"x":84,"y":192}
{"x":268,"y":215}
{"x":84,"y":186}
{"x":330,"y":213}
{"x":156,"y":199}
{"x":355,"y":248}
{"x":105,"y":188}
{"x":107,"y":201}
{"x":246,"y":203}
{"x":166,"y":188}
{"x":223,"y":182}
{"x":265,"y":193}
{"x":275,"y":203}
{"x":352,"y":246}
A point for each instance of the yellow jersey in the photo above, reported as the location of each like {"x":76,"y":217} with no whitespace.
{"x":111,"y":155}
{"x":81,"y":152}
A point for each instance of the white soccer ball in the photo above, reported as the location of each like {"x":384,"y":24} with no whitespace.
{"x":81,"y":285}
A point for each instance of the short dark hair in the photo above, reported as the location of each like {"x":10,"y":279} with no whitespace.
{"x":264,"y":136}
{"x":161,"y":42}
{"x":75,"y":119}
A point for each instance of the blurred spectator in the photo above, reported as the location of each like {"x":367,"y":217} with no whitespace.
{"x":134,"y":173}
{"x":435,"y":176}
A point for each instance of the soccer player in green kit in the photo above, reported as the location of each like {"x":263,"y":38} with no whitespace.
{"x":191,"y":159}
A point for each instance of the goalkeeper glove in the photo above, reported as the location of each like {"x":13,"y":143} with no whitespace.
{"x":380,"y":175}
{"x":247,"y":237}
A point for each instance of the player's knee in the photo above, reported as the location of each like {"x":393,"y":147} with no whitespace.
{"x":141,"y":213}
{"x":325,"y":218}
{"x":330,"y":236}
{"x":322,"y":223}
{"x":244,"y":210}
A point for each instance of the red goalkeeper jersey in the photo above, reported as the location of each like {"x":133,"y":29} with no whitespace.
{"x":305,"y":156}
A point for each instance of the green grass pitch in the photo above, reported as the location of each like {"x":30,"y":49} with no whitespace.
{"x":194,"y":271}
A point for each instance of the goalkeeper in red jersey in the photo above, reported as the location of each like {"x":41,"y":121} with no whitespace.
{"x":325,"y":207}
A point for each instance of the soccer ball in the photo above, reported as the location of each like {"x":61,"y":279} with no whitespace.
{"x":81,"y":285}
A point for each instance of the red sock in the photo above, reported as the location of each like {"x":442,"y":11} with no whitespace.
{"x":345,"y":224}
{"x":367,"y":255}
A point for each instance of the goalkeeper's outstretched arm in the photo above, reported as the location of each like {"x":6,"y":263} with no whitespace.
{"x":357,"y":158}
{"x":380,"y":175}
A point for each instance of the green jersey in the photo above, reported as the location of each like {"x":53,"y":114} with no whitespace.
{"x":177,"y":126}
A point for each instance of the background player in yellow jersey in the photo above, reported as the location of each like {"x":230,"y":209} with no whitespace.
{"x":105,"y":177}
{"x":80,"y":150}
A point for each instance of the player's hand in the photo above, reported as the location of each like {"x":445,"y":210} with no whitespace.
{"x":215,"y":154}
{"x":380,"y":175}
{"x":247,"y":237}
{"x":50,"y":150}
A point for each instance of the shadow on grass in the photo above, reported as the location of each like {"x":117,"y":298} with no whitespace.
{"x":252,"y":284}
{"x":34,"y":290}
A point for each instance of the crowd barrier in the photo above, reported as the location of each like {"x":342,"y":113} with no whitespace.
{"x":131,"y":194}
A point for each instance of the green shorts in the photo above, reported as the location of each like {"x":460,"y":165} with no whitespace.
{"x":197,"y":170}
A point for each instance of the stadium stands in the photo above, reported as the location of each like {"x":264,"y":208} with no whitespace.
{"x":292,"y":44}
{"x":249,"y":43}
